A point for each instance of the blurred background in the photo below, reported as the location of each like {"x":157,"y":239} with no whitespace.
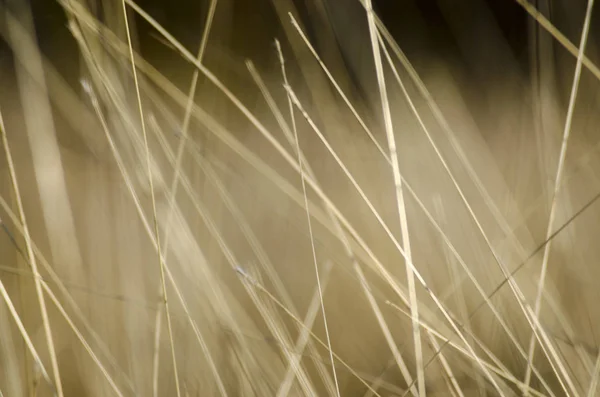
{"x":299,"y":197}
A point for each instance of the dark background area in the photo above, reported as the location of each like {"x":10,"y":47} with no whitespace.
{"x":489,"y":43}
{"x":423,"y":28}
{"x":419,"y":26}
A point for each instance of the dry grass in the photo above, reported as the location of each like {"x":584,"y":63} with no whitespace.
{"x":203,"y":224}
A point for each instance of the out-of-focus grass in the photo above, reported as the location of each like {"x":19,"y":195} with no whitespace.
{"x":333,"y":216}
